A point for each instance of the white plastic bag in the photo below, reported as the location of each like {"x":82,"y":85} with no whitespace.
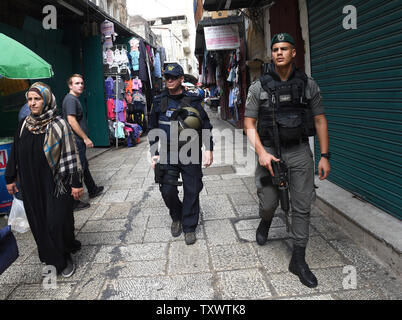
{"x":17,"y":218}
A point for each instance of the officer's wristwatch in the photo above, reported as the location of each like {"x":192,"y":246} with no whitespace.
{"x":326,"y":155}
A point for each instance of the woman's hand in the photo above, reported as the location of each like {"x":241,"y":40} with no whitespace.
{"x":77,"y":193}
{"x":12,"y":188}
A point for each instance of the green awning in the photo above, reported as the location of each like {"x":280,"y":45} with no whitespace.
{"x":19,"y":62}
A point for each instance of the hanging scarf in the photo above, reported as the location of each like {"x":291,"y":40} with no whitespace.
{"x":59,"y":145}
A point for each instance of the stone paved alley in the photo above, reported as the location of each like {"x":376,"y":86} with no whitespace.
{"x":128,"y":251}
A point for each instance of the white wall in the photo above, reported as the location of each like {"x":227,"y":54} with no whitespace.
{"x":305,"y":35}
{"x":152,"y":9}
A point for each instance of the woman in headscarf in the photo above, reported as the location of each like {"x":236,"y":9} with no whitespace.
{"x":45,"y":158}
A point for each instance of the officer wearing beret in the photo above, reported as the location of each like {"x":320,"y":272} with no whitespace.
{"x":287,"y":101}
{"x":173,"y":110}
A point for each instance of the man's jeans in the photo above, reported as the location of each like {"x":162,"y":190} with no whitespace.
{"x":88,"y":180}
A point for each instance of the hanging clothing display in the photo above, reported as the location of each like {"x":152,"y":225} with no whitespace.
{"x":128,"y":76}
{"x":135,"y":60}
{"x":143,"y":71}
{"x":221,"y":72}
{"x":109,"y":87}
{"x":121,"y":88}
{"x":115,"y":60}
{"x":137,"y":84}
{"x":157,"y":65}
{"x":119,"y":126}
{"x":108,"y":34}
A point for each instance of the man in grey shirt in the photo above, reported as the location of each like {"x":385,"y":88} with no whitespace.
{"x":287,"y":105}
{"x":73,"y":113}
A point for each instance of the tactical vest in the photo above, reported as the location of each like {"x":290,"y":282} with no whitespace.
{"x":287,"y":99}
{"x":166,"y":113}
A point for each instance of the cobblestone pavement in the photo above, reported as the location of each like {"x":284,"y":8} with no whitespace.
{"x":128,"y":251}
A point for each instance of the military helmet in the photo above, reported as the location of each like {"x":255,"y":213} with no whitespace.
{"x":188,"y":118}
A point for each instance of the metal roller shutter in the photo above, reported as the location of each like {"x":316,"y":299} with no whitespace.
{"x":359,"y":72}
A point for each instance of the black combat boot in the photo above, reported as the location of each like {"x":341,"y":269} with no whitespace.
{"x":299,"y":267}
{"x":262,"y":231}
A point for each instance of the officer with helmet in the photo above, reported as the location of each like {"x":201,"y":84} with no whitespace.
{"x":174,"y":111}
{"x":283,"y":109}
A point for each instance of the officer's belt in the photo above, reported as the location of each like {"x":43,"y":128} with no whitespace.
{"x":168,"y":146}
{"x":164,"y":122}
{"x":270,"y":143}
{"x":173,"y":173}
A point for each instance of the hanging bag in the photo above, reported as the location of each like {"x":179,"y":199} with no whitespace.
{"x":8,"y":248}
{"x":17,"y":218}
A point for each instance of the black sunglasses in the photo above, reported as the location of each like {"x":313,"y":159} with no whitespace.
{"x":168,"y":77}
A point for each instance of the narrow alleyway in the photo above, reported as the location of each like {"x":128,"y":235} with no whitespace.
{"x":128,"y":251}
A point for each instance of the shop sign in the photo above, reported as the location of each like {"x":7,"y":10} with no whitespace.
{"x":224,"y":37}
{"x":3,"y":159}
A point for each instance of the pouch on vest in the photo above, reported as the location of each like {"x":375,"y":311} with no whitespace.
{"x":289,"y":127}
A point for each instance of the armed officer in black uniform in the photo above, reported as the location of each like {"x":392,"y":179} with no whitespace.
{"x":176,"y":111}
{"x":287,"y":104}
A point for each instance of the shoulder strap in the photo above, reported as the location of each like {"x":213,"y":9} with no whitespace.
{"x":267,"y":83}
{"x":164,"y":104}
{"x":301,"y":75}
{"x":186,"y":100}
{"x":22,"y":127}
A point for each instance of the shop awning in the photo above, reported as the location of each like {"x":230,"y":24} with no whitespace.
{"x":99,"y":15}
{"x":217,"y":5}
{"x":74,"y":11}
{"x":19,"y":62}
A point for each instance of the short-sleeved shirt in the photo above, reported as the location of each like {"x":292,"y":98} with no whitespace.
{"x":256,"y":93}
{"x":72,"y":106}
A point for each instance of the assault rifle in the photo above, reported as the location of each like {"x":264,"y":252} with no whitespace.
{"x":281,"y":177}
{"x":281,"y":181}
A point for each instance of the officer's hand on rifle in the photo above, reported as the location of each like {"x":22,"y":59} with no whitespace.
{"x":265,"y":159}
{"x":155,"y":159}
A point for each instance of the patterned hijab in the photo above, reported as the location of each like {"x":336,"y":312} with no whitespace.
{"x":38,"y":124}
{"x":59,"y":143}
